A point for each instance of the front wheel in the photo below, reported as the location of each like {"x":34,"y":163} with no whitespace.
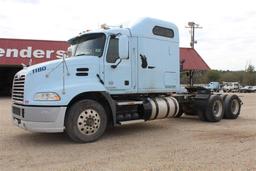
{"x":86,"y":121}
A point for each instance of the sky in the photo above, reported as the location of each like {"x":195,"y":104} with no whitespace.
{"x":227,"y":40}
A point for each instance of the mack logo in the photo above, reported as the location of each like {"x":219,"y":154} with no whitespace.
{"x":40,"y":69}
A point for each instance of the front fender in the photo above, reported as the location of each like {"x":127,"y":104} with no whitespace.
{"x":73,"y":90}
{"x":68,"y":91}
{"x":101,"y":96}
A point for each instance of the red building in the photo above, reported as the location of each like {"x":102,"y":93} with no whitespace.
{"x":191,"y":60}
{"x":15,"y":52}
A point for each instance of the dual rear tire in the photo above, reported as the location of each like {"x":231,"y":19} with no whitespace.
{"x":232,"y":105}
{"x":215,"y":109}
{"x":218,"y":107}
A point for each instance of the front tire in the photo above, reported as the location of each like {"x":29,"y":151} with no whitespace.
{"x":86,"y":121}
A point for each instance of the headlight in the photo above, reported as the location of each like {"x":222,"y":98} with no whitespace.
{"x":47,"y":96}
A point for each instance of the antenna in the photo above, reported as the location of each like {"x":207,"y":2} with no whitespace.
{"x":64,"y":68}
{"x":192,"y":26}
{"x":30,"y":62}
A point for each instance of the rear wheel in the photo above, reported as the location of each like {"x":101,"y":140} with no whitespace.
{"x":86,"y":121}
{"x":223,"y":97}
{"x":201,"y":115}
{"x":214,"y":111}
{"x":232,"y":106}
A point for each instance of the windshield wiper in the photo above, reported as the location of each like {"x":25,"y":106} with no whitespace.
{"x":81,"y":54}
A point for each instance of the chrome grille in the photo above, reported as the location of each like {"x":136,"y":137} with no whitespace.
{"x":18,"y":88}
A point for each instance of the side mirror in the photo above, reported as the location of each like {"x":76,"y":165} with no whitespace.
{"x":123,"y":46}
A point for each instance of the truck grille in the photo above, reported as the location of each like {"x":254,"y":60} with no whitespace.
{"x":18,"y":88}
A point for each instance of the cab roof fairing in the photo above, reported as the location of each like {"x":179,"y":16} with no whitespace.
{"x":144,"y":28}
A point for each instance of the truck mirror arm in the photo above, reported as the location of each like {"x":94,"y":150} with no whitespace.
{"x":115,"y":65}
{"x":115,"y":35}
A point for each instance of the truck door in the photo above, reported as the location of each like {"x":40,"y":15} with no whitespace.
{"x":117,"y":72}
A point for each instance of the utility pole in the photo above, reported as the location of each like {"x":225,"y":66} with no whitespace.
{"x":192,"y":26}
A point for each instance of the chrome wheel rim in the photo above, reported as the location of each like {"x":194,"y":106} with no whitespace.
{"x":234,"y":106}
{"x":88,"y":122}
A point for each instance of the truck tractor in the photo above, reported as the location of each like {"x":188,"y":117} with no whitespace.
{"x":115,"y":76}
{"x":213,"y":86}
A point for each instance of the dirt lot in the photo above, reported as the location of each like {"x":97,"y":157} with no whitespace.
{"x":170,"y":144}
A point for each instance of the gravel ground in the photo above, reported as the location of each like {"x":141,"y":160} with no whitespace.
{"x":170,"y":144}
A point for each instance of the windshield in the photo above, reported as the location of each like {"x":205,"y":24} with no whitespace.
{"x":89,"y":44}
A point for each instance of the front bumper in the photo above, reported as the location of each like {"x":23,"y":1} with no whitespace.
{"x":39,"y":119}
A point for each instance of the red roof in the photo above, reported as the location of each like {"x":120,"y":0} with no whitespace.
{"x":192,"y":60}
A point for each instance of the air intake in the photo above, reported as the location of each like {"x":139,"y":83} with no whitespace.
{"x":82,"y":71}
{"x":18,"y":88}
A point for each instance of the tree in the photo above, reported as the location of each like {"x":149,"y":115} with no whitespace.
{"x":250,"y":75}
{"x":250,"y":68}
{"x":230,"y":76}
{"x":213,"y":75}
{"x":246,"y":77}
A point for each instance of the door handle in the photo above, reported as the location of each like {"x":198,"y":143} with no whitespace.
{"x":151,"y":67}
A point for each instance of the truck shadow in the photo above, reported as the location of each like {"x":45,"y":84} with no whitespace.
{"x":188,"y":118}
{"x":63,"y":139}
{"x":126,"y":130}
{"x":111,"y":133}
{"x":44,"y":138}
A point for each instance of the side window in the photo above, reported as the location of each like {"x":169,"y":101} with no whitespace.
{"x":162,"y":31}
{"x":112,"y":54}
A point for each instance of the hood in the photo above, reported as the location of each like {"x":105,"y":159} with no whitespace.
{"x":55,"y":76}
{"x":55,"y":64}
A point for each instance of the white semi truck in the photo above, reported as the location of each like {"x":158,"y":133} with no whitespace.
{"x":115,"y":76}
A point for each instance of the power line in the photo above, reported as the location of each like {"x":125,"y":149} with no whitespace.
{"x":192,"y":26}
